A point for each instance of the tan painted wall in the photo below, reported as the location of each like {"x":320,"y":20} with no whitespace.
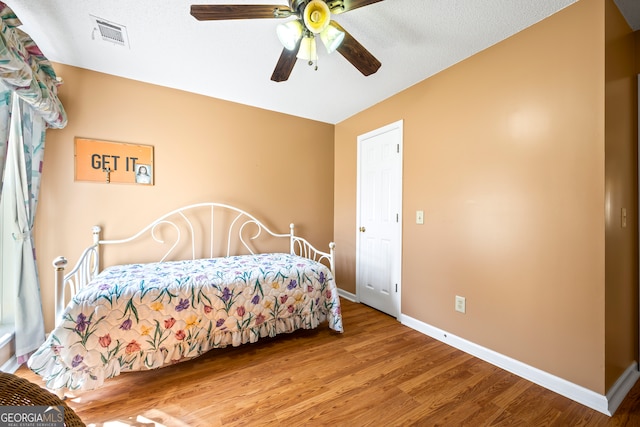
{"x":621,"y":112}
{"x":636,"y":37}
{"x":505,"y":153}
{"x":278,"y":167}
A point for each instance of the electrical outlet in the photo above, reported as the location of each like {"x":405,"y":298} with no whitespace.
{"x":461,"y":304}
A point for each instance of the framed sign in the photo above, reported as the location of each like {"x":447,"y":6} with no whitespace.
{"x":105,"y":161}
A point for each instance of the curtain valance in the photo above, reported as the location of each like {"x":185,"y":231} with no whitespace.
{"x":26,"y":71}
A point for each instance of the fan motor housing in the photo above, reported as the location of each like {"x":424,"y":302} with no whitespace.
{"x":298,"y":5}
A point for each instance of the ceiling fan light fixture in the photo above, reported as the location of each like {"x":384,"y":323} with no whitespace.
{"x":289,"y":33}
{"x":316,"y":16}
{"x":308,"y":50}
{"x":331,"y":38}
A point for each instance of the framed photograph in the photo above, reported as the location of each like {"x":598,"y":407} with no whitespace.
{"x":117,"y":162}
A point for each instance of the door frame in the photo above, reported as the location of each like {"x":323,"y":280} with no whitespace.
{"x":397,"y":268}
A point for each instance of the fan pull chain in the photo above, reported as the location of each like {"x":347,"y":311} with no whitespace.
{"x":317,"y":56}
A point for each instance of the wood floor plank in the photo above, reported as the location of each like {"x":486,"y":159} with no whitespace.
{"x":378,"y":373}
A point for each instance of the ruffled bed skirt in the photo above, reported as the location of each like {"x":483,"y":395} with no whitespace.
{"x":58,"y":375}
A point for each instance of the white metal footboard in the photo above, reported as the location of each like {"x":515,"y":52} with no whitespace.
{"x":302,"y":247}
{"x":85,"y":269}
{"x":242,"y":223}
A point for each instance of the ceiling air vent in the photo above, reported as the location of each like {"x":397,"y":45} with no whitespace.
{"x":110,"y":31}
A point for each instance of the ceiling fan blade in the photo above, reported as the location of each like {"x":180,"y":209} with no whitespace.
{"x":285,"y":64}
{"x":355,"y":53}
{"x":347,"y":5}
{"x":212,"y":12}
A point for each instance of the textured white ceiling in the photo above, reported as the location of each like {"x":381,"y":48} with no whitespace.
{"x":631,"y":11}
{"x":233,"y":60}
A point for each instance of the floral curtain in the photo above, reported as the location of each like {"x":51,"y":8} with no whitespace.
{"x":5,"y":115}
{"x":25,"y":71}
{"x":28,"y":105}
{"x":26,"y":141}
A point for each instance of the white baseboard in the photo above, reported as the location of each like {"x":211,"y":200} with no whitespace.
{"x":7,"y":350}
{"x":622,"y":386}
{"x":604,"y":404}
{"x":348,"y":295}
{"x":10,"y":366}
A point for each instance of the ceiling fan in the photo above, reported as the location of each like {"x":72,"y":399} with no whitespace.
{"x":312,"y":18}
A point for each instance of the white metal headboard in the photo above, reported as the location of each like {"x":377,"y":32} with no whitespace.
{"x":88,"y":265}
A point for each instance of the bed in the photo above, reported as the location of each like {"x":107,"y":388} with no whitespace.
{"x":214,"y":285}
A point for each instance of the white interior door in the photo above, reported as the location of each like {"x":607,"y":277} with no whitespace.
{"x":379,"y":219}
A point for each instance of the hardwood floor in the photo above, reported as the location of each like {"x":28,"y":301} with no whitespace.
{"x":378,"y":373}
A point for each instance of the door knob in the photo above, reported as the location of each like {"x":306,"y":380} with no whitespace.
{"x":362,"y":229}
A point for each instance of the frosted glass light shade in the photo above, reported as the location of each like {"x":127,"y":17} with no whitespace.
{"x":331,"y":38}
{"x":308,"y":50}
{"x":289,"y":33}
{"x":316,"y":16}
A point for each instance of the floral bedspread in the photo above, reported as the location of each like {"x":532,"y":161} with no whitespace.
{"x":145,"y":316}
